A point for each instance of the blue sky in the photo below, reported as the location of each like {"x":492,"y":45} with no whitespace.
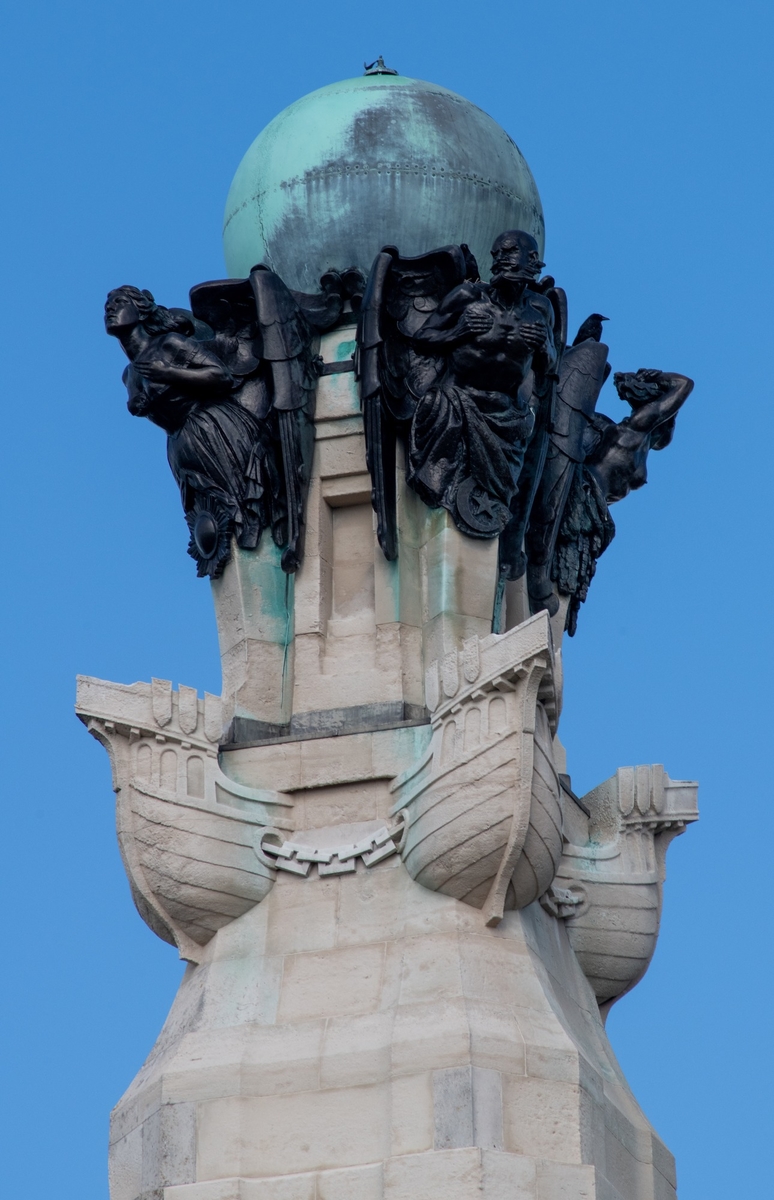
{"x":647,"y":126}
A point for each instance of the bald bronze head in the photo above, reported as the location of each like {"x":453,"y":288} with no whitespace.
{"x":515,"y":257}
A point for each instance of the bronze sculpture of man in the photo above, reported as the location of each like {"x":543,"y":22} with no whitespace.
{"x":471,"y":429}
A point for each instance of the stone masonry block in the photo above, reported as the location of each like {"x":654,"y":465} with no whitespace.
{"x":431,"y":968}
{"x":342,"y":456}
{"x":450,"y":1175}
{"x":541,"y":1118}
{"x":356,"y":1183}
{"x":356,"y":1050}
{"x":453,"y":1108}
{"x":275,"y":1135}
{"x":624,"y":1170}
{"x":169,"y":1146}
{"x":380,"y":911}
{"x":468,"y":1108}
{"x":412,"y":1123}
{"x":662,"y":1188}
{"x":125,"y":1168}
{"x":664,"y":1160}
{"x":253,"y":596}
{"x":235,"y":998}
{"x":296,"y":928}
{"x":275,"y":766}
{"x":430,"y":1036}
{"x":548,"y":1062}
{"x":507,"y":1175}
{"x":335,"y":760}
{"x":341,"y":981}
{"x":340,"y":804}
{"x":313,"y":596}
{"x":496,"y":1040}
{"x":487,"y":1108}
{"x":215,"y":1189}
{"x":556,"y":1181}
{"x":198,"y":1080}
{"x":136,"y":1107}
{"x":282,"y":1058}
{"x":461,"y":575}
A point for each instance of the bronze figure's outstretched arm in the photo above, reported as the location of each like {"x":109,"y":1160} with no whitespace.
{"x":615,"y":465}
{"x":619,"y":460}
{"x":653,"y":416}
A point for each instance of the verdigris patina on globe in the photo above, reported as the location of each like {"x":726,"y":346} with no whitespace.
{"x":369,"y":161}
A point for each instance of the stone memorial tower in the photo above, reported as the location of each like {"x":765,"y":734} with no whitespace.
{"x":403,"y":928}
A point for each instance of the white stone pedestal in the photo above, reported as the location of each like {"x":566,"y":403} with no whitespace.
{"x":361,"y":1037}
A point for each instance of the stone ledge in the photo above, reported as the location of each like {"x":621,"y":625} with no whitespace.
{"x":245,"y":732}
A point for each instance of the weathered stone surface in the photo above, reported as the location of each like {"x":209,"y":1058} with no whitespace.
{"x":413,"y":1046}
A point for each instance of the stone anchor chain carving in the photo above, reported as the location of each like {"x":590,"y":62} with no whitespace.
{"x":498,"y":414}
{"x":296,"y":857}
{"x":232,"y":383}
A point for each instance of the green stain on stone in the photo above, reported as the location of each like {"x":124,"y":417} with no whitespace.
{"x":267,"y":592}
{"x":345,"y":350}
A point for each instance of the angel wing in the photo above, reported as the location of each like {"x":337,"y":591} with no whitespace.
{"x":546,"y":405}
{"x":324,"y":308}
{"x":585,"y":531}
{"x":400,"y":295}
{"x":286,"y":340}
{"x":558,"y":298}
{"x":260,"y":332}
{"x":580,"y":377}
{"x":225,"y":310}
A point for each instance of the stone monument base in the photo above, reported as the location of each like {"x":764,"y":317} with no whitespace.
{"x":360,"y":1037}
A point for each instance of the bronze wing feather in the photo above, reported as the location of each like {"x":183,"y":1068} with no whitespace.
{"x":400,"y":295}
{"x":286,"y":338}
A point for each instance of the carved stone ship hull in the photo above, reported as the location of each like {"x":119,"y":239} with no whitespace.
{"x":612,"y":885}
{"x":197,"y":860}
{"x":614,"y":934}
{"x":483,"y":805}
{"x":187,"y":833}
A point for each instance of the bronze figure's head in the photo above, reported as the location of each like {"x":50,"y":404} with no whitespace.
{"x":128,"y":306}
{"x":515,"y":257}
